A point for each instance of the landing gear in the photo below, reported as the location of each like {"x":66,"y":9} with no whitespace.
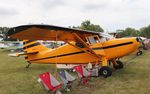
{"x":28,"y":65}
{"x":139,"y":53}
{"x":105,"y":71}
{"x":118,"y":64}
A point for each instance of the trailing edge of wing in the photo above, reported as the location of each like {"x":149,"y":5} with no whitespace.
{"x":47,"y":32}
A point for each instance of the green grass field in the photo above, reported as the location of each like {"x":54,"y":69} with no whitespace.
{"x":133,"y":79}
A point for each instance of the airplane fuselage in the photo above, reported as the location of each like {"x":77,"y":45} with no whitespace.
{"x":68,"y":54}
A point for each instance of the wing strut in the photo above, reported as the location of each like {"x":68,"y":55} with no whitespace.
{"x":89,"y":49}
{"x":81,"y":49}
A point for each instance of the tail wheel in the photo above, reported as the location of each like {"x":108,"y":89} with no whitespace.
{"x":118,"y":65}
{"x":105,"y":71}
{"x":28,"y":65}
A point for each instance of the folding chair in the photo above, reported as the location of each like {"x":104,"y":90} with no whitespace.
{"x":67,"y":79}
{"x":50,"y":84}
{"x":83,"y":74}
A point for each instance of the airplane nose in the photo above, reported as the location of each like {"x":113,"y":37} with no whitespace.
{"x":138,"y":39}
{"x":140,"y":42}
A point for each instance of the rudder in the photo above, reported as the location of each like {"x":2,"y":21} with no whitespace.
{"x":32,"y":47}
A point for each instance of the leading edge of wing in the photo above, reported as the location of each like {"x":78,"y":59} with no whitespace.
{"x":18,"y":29}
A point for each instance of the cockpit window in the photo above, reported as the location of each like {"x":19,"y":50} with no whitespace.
{"x":101,"y":38}
{"x":105,"y":37}
{"x":93,"y":39}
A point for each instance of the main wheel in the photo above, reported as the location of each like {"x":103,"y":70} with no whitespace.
{"x":139,"y":53}
{"x":119,"y":65}
{"x":105,"y":71}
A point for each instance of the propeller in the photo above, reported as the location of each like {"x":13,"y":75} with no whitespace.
{"x":141,"y":47}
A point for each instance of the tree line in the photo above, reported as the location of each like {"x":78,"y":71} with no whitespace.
{"x":3,"y":32}
{"x":131,"y":32}
{"x":128,"y":32}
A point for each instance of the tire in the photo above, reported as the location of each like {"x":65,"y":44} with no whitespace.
{"x":119,"y":65}
{"x":139,"y":53}
{"x":105,"y":71}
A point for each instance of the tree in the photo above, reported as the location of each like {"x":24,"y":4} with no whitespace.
{"x":145,"y":32}
{"x":86,"y":25}
{"x":3,"y":30}
{"x":128,"y":32}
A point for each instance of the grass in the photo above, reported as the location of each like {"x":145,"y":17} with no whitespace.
{"x":133,"y":79}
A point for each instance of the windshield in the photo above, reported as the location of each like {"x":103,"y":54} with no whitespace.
{"x":105,"y":37}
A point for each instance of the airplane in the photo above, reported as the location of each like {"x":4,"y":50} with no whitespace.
{"x":81,"y":46}
{"x":3,"y":45}
{"x":14,"y":46}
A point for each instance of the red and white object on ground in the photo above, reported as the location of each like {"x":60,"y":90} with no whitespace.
{"x":83,"y":74}
{"x":50,"y":83}
{"x":67,"y":79}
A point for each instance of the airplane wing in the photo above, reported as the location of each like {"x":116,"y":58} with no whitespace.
{"x":55,"y":33}
{"x":48,"y":32}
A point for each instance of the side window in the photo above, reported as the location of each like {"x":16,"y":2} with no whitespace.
{"x":103,"y":39}
{"x":93,"y":39}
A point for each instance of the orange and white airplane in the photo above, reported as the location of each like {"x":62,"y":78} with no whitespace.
{"x":82,"y":47}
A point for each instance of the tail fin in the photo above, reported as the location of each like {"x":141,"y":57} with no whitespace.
{"x":32,"y":47}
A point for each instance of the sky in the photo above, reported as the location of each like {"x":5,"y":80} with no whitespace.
{"x":111,"y":15}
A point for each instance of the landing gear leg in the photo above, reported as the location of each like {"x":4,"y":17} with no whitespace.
{"x":29,"y":64}
{"x":117,"y":64}
{"x":105,"y":71}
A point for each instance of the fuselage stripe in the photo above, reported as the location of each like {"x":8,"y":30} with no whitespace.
{"x":112,"y":46}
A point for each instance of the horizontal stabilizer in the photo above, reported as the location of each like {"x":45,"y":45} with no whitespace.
{"x":21,"y":53}
{"x":16,"y":54}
